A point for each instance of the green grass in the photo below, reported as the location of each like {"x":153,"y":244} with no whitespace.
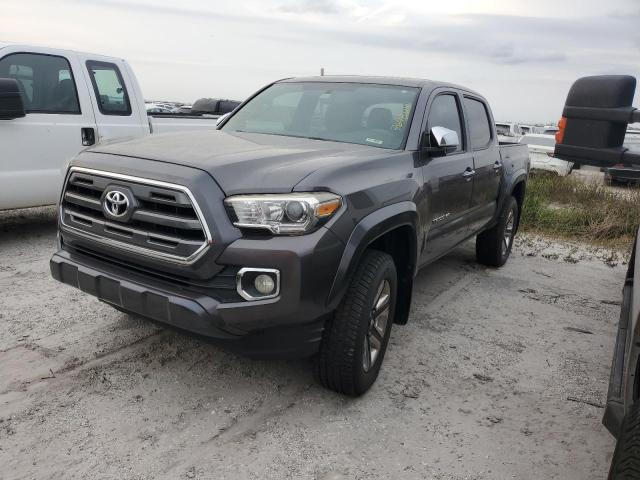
{"x":569,"y":208}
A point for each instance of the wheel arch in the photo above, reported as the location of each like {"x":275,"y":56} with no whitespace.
{"x":392,"y":229}
{"x":518,"y":191}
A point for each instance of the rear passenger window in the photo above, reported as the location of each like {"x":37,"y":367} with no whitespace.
{"x":446,"y":113}
{"x":46,"y":82}
{"x":479,"y":125}
{"x":109,"y":88}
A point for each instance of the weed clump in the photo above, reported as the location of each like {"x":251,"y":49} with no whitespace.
{"x":570,"y":208}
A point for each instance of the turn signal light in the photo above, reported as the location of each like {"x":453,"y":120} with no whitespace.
{"x":562,"y":124}
{"x":326,"y":209}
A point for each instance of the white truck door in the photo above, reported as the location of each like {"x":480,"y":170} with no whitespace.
{"x":35,"y":148}
{"x":115,"y":96}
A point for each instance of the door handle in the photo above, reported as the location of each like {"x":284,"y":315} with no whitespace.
{"x":468,"y":173}
{"x":88,"y":136}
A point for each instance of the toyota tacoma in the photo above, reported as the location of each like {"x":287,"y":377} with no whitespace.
{"x":297,"y":227}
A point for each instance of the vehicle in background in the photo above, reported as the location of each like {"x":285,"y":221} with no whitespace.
{"x":182,"y":110}
{"x":632,"y":139}
{"x":549,"y":130}
{"x":527,"y":129}
{"x":541,"y":148}
{"x":592,"y":131}
{"x":213,"y":106}
{"x":621,"y":173}
{"x":625,"y":173}
{"x":508,"y":131}
{"x":54,"y":103}
{"x":298,"y":227}
{"x":154,"y":108}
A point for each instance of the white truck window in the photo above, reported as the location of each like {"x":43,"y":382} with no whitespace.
{"x":46,"y":82}
{"x":109,"y":88}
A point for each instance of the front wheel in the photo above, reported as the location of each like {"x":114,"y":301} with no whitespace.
{"x":355,"y":339}
{"x":493,"y":246}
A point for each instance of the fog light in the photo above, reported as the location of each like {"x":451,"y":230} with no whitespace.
{"x":264,"y":284}
{"x":258,"y":283}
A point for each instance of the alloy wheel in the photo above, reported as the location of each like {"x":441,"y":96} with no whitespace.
{"x":377,"y":326}
{"x":507,"y":238}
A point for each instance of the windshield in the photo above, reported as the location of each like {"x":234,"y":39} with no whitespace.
{"x":366,"y":114}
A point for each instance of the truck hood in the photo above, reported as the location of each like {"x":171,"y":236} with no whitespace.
{"x":244,"y":162}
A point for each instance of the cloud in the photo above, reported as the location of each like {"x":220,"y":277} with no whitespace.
{"x":157,"y":8}
{"x":507,"y":54}
{"x":457,"y":37}
{"x":326,"y":7}
{"x":196,"y":48}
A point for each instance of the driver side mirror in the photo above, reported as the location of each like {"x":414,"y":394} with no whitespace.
{"x":11,"y":105}
{"x":440,"y":141}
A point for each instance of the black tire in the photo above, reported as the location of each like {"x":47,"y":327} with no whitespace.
{"x":625,"y":464}
{"x":341,"y":362}
{"x":491,"y":248}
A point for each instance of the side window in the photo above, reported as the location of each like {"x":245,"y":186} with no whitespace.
{"x":479,"y":126}
{"x":46,"y":82}
{"x":445,"y":112}
{"x":109,"y":88}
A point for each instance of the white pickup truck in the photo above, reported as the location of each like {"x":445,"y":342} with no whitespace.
{"x":54,"y":103}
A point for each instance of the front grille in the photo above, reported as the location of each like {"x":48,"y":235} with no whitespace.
{"x":160,"y":219}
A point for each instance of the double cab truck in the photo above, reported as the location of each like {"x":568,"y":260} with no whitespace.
{"x":53,"y":104}
{"x":298,"y":226}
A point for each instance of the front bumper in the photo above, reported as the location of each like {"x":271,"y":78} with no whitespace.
{"x":289,"y":325}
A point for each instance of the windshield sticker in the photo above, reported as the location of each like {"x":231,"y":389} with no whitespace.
{"x":374,"y":140}
{"x":401,"y":120}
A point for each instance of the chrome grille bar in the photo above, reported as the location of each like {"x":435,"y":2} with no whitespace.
{"x":167,"y":222}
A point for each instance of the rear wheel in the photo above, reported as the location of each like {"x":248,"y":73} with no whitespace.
{"x":355,"y":339}
{"x":493,"y":246}
{"x":625,"y":464}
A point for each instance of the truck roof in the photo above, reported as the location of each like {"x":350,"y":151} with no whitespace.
{"x":400,"y":81}
{"x":52,"y":50}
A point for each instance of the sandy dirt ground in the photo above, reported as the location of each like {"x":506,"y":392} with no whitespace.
{"x":499,"y":374}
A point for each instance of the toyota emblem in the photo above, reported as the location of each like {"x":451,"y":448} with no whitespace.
{"x":115,"y":203}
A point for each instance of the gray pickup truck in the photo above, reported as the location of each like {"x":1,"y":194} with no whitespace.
{"x":297,"y":228}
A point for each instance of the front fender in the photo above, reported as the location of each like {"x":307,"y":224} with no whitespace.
{"x":366,"y":231}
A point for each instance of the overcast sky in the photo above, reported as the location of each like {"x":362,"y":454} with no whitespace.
{"x":523,"y":56}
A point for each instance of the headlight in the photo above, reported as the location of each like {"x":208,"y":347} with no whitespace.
{"x":287,"y":214}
